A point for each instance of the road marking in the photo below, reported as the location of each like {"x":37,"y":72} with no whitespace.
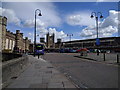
{"x":43,"y":60}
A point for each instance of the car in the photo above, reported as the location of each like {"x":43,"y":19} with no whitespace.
{"x":61,"y":50}
{"x":82,"y":49}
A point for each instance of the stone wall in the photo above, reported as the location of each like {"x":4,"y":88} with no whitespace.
{"x":9,"y":56}
{"x":11,"y":69}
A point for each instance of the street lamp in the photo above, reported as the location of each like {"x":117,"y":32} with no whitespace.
{"x":70,"y":35}
{"x":39,"y":14}
{"x":94,"y":14}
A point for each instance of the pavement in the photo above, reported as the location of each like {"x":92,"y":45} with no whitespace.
{"x":110,"y":58}
{"x":41,"y":74}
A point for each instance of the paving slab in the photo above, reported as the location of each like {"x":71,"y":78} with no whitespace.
{"x":41,"y":74}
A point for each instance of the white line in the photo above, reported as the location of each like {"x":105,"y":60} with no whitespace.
{"x":42,"y":60}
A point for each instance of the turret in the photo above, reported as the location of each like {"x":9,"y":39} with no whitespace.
{"x":4,"y":21}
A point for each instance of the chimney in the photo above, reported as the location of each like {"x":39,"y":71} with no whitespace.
{"x":17,"y":31}
{"x":26,"y":38}
{"x":4,"y":21}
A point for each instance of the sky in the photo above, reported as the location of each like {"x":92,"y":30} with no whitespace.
{"x":62,"y":18}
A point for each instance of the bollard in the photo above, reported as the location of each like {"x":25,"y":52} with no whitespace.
{"x":104,"y":56}
{"x":117,"y":58}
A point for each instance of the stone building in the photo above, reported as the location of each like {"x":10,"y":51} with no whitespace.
{"x":58,"y":44}
{"x":9,"y":41}
{"x":12,"y":41}
{"x":109,"y":43}
{"x":27,"y":43}
{"x":50,"y":40}
{"x":21,"y":44}
{"x":42,"y":40}
{"x":3,"y":25}
{"x":0,"y":34}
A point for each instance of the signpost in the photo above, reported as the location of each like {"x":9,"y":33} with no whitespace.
{"x":97,"y":41}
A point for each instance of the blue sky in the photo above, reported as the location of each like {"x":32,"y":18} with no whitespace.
{"x":62,"y":18}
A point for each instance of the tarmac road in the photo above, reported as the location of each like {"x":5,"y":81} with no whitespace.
{"x":83,"y":72}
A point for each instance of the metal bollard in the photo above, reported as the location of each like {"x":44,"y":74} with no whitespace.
{"x":117,"y":58}
{"x":104,"y":56}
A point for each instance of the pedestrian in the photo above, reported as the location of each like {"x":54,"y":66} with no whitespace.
{"x":38,"y":55}
{"x":97,"y":52}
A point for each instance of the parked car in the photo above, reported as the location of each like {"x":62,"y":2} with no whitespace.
{"x":61,"y":50}
{"x":82,"y":49}
{"x":67,"y":50}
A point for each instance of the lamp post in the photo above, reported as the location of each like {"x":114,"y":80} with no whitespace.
{"x":96,"y":15}
{"x":70,"y":35}
{"x":39,"y":14}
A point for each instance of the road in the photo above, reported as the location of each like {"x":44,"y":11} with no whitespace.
{"x":85,"y":73}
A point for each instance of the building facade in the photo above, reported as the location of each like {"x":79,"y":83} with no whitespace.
{"x":58,"y":44}
{"x":9,"y":41}
{"x":50,"y":40}
{"x":42,"y":40}
{"x":12,"y":42}
{"x":110,"y":43}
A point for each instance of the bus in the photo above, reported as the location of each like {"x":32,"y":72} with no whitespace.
{"x":40,"y":48}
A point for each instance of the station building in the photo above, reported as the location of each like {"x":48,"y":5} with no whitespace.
{"x":106,"y":43}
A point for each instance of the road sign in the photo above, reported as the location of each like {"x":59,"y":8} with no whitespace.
{"x":97,"y":41}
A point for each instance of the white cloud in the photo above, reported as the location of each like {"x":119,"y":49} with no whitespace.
{"x":80,"y":18}
{"x":11,"y":16}
{"x":88,"y":32}
{"x":60,"y":34}
{"x":108,"y":27}
{"x":60,"y":0}
{"x":112,"y":19}
{"x":107,"y":0}
{"x":26,"y":11}
{"x":100,"y":0}
{"x":107,"y":31}
{"x":30,"y":23}
{"x":30,"y":34}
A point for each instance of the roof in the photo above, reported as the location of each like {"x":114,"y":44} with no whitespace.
{"x":93,"y":39}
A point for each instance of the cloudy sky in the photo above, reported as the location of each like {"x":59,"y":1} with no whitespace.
{"x":62,"y":18}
